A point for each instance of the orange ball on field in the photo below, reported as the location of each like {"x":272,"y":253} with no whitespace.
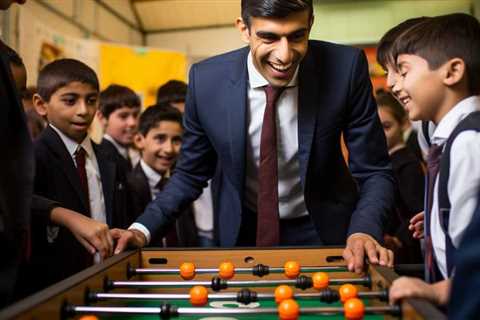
{"x":320,"y":280}
{"x":88,"y":317}
{"x":354,"y":309}
{"x":288,"y":310}
{"x":347,"y":291}
{"x":282,"y":293}
{"x":226,"y":270}
{"x":198,"y":296}
{"x":187,"y":271}
{"x":292,"y":269}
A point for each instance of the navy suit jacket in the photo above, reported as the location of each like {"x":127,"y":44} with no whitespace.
{"x":464,"y":302}
{"x":56,"y":177}
{"x":335,"y":96}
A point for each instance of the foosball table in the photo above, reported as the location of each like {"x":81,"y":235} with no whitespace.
{"x":214,"y":284}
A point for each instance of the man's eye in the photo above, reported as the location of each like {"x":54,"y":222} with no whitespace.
{"x":69,"y":102}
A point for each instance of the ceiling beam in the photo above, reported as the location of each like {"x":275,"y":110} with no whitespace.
{"x":118,"y":15}
{"x":206,"y":27}
{"x":139,"y":22}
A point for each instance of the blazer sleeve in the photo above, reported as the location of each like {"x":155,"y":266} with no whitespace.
{"x":368,"y":157}
{"x":195,"y":166}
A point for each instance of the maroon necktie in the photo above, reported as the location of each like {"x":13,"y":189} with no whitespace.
{"x":82,"y":173}
{"x":268,"y":229}
{"x":433,"y":166}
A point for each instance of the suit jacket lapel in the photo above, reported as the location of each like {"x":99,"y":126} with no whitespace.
{"x":141,"y":182}
{"x":236,"y":99}
{"x":107,"y":175}
{"x":65,"y":162}
{"x":308,"y":105}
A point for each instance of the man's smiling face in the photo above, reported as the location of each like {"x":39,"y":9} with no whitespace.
{"x":278,"y":45}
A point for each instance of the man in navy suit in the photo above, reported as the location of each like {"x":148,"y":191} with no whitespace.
{"x":321,"y":90}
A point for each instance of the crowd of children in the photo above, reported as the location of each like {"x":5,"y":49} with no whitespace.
{"x":433,"y":76}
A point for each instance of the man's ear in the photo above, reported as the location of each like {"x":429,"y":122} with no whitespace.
{"x":40,"y":105}
{"x":244,"y":30}
{"x":455,"y":70}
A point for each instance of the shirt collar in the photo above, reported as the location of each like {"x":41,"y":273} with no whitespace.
{"x":461,"y":110}
{"x":153,"y":176}
{"x":72,"y":145}
{"x":256,"y":79}
{"x":121,"y":149}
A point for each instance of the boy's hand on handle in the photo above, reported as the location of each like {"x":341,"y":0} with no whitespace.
{"x":361,"y":245}
{"x":93,"y":235}
{"x":416,"y":225}
{"x":127,"y":239}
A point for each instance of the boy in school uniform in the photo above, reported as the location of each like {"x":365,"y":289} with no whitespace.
{"x":71,"y":169}
{"x":119,"y":111}
{"x":159,"y":140}
{"x":438,"y":67}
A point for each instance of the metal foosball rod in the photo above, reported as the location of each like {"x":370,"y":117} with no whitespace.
{"x":244,"y":296}
{"x":288,"y":309}
{"x":318,"y":281}
{"x":188,"y":270}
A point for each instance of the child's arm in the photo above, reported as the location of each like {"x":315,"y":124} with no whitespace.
{"x":406,"y":287}
{"x":92,"y":234}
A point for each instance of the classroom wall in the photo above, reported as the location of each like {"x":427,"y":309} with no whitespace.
{"x":81,"y":19}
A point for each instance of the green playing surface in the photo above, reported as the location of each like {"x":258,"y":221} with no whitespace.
{"x":233,"y":304}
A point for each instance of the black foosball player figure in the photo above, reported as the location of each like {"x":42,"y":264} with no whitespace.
{"x":266,"y":122}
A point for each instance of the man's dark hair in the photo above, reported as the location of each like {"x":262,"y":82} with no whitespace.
{"x":172,"y":91}
{"x":443,"y":38}
{"x":386,"y":100}
{"x":384,"y":53}
{"x":115,"y":97}
{"x":153,"y":115}
{"x":60,"y":73}
{"x":273,"y":8}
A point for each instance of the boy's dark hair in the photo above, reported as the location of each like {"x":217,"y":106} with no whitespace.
{"x":273,"y":8}
{"x":12,"y":55}
{"x":156,"y":113}
{"x":60,"y":73}
{"x":172,"y":91}
{"x":115,"y":97}
{"x":386,"y":100}
{"x":384,"y":49}
{"x":442,"y":38}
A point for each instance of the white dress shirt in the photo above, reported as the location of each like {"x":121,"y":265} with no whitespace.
{"x":291,"y":202}
{"x":95,"y":189}
{"x":463,"y":181}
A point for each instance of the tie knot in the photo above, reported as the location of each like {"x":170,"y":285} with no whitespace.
{"x":80,"y":151}
{"x":273,"y":93}
{"x":434,"y":153}
{"x":161,"y":184}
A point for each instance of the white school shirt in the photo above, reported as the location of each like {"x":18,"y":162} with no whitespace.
{"x":463,"y":181}
{"x":291,"y":202}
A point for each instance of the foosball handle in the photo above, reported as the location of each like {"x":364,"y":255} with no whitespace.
{"x":66,"y":310}
{"x":107,"y":284}
{"x":130,"y":271}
